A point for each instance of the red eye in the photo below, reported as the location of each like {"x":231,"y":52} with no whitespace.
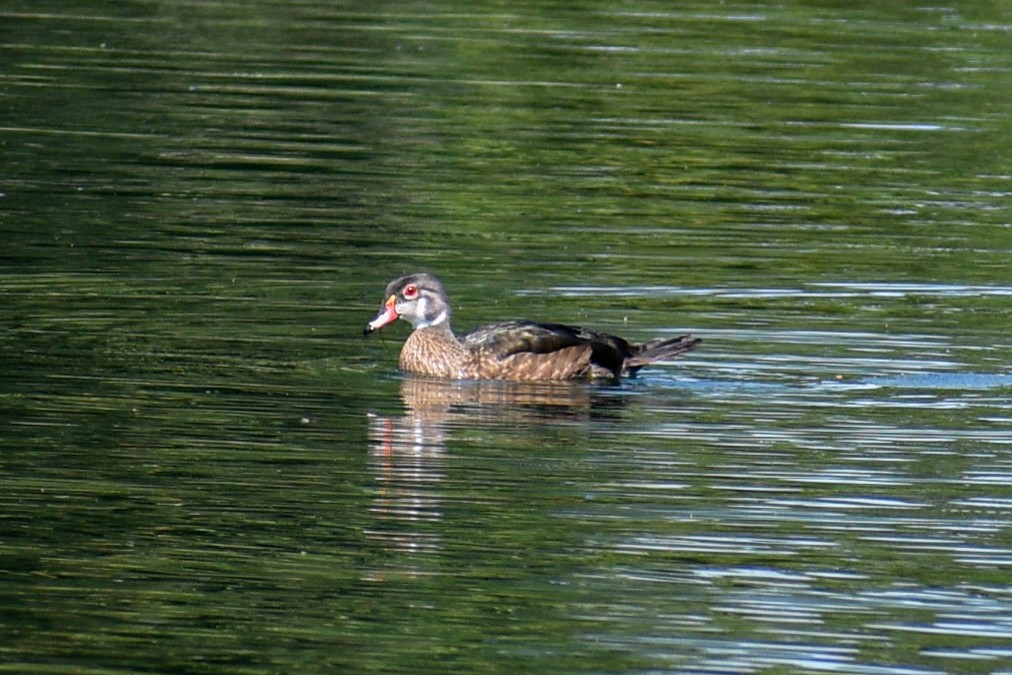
{"x":410,"y":291}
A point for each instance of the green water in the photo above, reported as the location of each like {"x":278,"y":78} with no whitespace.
{"x":204,"y":467}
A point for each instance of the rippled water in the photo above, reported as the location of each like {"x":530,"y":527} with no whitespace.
{"x":206,"y":467}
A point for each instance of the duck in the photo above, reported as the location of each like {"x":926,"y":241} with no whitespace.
{"x":518,"y":351}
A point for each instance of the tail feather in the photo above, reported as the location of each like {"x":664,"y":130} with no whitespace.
{"x":661,"y":348}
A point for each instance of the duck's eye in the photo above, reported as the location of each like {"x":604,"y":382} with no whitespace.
{"x":411,"y":292}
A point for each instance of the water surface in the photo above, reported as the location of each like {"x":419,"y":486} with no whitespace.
{"x":206,"y":467}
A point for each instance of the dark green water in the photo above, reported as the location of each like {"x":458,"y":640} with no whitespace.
{"x":204,"y":467}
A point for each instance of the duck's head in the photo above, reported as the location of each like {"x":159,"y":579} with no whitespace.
{"x":418,"y":298}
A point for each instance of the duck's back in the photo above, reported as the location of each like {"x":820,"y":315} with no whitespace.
{"x":533,"y":350}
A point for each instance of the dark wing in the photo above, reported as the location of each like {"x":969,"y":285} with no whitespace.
{"x":514,"y":337}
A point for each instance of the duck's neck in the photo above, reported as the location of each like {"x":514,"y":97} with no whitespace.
{"x":436,"y":331}
{"x":441,"y":319}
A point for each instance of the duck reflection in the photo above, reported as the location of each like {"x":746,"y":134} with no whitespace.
{"x":408,"y":452}
{"x":437,"y":402}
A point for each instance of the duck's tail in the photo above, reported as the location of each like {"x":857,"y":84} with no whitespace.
{"x":659,"y":349}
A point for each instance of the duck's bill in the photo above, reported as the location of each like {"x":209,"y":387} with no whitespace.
{"x":388,"y":315}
